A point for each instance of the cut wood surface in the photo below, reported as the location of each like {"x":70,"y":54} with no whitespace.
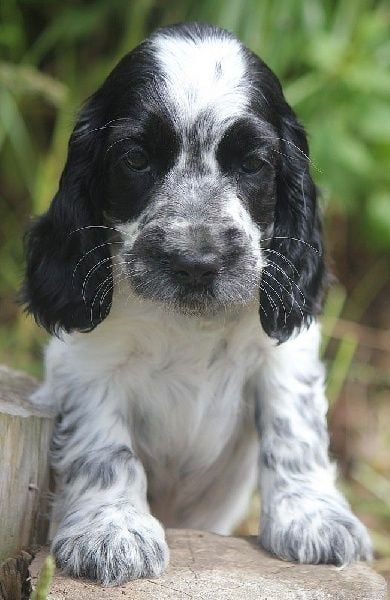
{"x":205,"y":566}
{"x":24,"y":441}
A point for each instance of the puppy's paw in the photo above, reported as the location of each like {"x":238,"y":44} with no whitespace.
{"x":329,"y":534}
{"x":111,"y":547}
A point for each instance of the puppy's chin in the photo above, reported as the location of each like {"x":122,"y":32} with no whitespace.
{"x":206,"y":309}
{"x":199,"y":303}
{"x":206,"y":303}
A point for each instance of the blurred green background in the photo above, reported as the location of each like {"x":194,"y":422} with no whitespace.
{"x":332,"y":57}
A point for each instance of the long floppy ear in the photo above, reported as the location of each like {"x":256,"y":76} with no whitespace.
{"x":294,"y":277}
{"x":68,"y":276}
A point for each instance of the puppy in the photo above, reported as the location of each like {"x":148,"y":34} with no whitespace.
{"x":181,"y":268}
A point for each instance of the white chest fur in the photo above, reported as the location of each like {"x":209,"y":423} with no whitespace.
{"x":177,"y":380}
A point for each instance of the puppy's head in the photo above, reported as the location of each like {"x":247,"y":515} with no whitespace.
{"x":190,"y":169}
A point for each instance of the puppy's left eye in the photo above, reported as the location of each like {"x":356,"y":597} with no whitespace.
{"x":252,"y":164}
{"x":137,"y":160}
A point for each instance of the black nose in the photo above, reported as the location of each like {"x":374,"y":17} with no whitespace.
{"x":198,"y":269}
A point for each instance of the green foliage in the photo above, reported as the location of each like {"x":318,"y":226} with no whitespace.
{"x":332,"y":56}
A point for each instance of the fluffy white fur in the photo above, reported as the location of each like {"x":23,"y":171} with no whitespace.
{"x":199,"y":76}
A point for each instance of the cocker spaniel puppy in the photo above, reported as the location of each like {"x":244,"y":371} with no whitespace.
{"x":181,"y":267}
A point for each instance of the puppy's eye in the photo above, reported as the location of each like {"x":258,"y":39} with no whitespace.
{"x":137,"y":160}
{"x":252,"y":164}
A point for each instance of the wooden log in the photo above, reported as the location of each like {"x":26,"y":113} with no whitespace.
{"x":15,"y":580}
{"x":206,"y":566}
{"x":24,"y":442}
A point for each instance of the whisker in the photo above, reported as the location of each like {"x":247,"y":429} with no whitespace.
{"x":271,"y":301}
{"x":89,"y":252}
{"x":287,"y":237}
{"x":294,"y":301}
{"x":303,"y":190}
{"x":80,"y":134}
{"x":286,"y":315}
{"x":89,"y":274}
{"x":105,"y":281}
{"x":114,"y":144}
{"x":261,"y":306}
{"x":291,"y":281}
{"x":116,"y":278}
{"x":282,"y":256}
{"x":92,"y":227}
{"x":96,"y":266}
{"x":290,"y":143}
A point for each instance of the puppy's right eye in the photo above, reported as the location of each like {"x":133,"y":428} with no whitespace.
{"x":137,"y":160}
{"x":251,"y":164}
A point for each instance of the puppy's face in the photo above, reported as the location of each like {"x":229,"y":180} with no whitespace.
{"x":190,"y":176}
{"x":189,"y":166}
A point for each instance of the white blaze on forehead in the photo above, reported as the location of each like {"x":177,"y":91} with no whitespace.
{"x":203,"y":74}
{"x":242,"y":219}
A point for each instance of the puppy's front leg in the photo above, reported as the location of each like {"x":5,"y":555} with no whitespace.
{"x":304,"y":518}
{"x":105,"y":531}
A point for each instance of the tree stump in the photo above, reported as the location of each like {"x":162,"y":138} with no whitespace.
{"x":205,"y":566}
{"x":24,"y":443}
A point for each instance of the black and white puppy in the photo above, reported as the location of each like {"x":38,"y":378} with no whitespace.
{"x":181,"y":266}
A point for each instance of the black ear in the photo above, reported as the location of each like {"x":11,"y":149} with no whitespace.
{"x":68,"y":283}
{"x":293,"y":280}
